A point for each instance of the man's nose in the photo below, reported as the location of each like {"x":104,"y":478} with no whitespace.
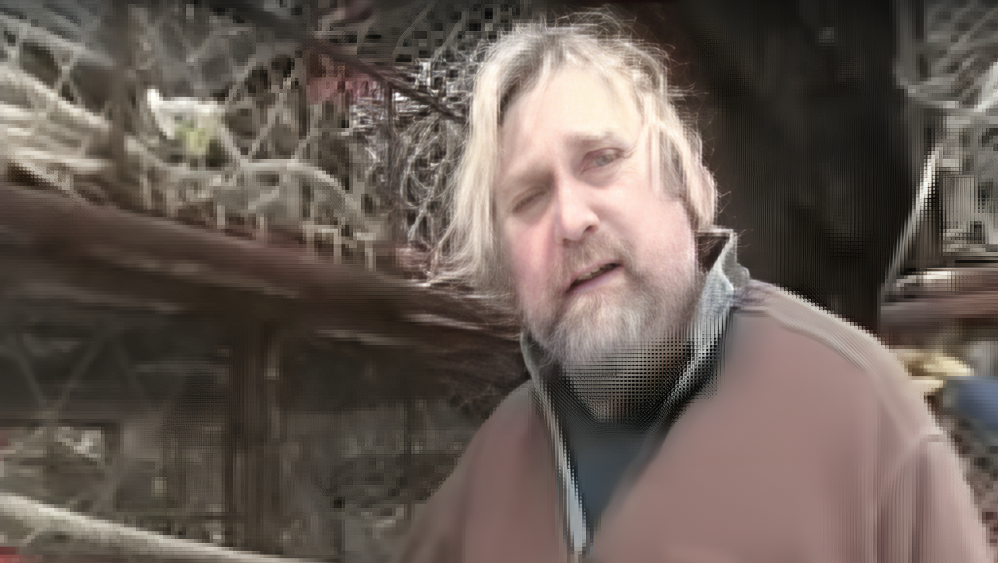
{"x":576,"y":217}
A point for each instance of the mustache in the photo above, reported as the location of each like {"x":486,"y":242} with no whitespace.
{"x":595,"y":248}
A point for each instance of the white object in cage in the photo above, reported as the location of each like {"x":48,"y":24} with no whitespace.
{"x":195,"y":121}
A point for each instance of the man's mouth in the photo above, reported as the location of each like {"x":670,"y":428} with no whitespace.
{"x":588,"y":276}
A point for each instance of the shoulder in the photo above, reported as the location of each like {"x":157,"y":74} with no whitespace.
{"x":509,"y":431}
{"x":782,"y":309}
{"x":781,"y":313}
{"x":818,"y":345}
{"x":436,"y":535}
{"x":511,"y":427}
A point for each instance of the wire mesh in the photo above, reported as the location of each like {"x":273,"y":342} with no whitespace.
{"x":137,"y":433}
{"x":954,"y":72}
{"x":134,"y":430}
{"x":189,"y":114}
{"x":949,"y":68}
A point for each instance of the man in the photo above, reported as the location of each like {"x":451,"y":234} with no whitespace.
{"x":677,"y":411}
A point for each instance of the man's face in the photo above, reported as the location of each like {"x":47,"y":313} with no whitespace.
{"x":602,"y":260}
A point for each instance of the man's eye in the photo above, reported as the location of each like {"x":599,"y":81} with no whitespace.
{"x":604,"y":159}
{"x":524,"y":202}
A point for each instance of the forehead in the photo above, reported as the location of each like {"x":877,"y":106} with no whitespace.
{"x":570,"y":99}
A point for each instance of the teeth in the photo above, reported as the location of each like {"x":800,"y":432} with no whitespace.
{"x":593,"y":274}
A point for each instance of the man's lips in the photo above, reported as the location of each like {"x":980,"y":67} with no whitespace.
{"x":592,"y":274}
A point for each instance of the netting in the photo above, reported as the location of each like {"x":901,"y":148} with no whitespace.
{"x":135,"y":429}
{"x":948,"y":67}
{"x":957,"y":52}
{"x":953,"y":70}
{"x":205,"y":120}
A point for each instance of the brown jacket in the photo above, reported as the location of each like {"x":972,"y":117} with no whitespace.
{"x":810,"y":446}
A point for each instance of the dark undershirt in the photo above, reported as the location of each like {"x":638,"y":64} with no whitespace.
{"x":602,"y":451}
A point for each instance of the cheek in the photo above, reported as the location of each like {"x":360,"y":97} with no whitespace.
{"x":529,"y":265}
{"x":526,"y":271}
{"x":673,"y":240}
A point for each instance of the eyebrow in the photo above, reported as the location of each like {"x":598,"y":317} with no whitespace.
{"x":589,"y":138}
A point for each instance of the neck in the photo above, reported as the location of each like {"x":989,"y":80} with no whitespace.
{"x":630,"y":384}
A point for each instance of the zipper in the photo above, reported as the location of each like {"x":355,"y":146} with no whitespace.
{"x":575,"y":518}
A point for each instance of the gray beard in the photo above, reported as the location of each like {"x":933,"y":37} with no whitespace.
{"x":616,"y":356}
{"x":593,"y":333}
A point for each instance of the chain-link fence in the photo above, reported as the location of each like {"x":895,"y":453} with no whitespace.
{"x":136,"y":428}
{"x":184,"y":113}
{"x":951,"y":70}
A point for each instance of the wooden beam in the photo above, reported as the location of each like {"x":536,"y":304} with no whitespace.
{"x":468,"y":341}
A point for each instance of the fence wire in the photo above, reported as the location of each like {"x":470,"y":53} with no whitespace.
{"x":187,"y":114}
{"x":125,"y":434}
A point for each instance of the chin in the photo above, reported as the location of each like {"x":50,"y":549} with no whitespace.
{"x":603,"y":329}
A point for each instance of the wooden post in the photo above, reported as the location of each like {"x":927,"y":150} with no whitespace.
{"x":407,"y":465}
{"x":338,"y":532}
{"x":113,"y":451}
{"x":146,"y":184}
{"x":261,"y":227}
{"x":252,"y":478}
{"x":120,"y":27}
{"x":337,"y":245}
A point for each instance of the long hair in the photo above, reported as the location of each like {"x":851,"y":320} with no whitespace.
{"x":469,"y":252}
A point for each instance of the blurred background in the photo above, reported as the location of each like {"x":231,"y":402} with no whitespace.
{"x":215,"y":339}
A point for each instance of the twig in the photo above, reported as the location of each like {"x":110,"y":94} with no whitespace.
{"x":101,"y":533}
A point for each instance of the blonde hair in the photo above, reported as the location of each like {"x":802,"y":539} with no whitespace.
{"x":469,"y":252}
